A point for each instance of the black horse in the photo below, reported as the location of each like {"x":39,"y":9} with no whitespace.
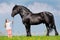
{"x":29,"y":18}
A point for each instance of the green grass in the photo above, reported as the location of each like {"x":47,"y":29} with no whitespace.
{"x":30,"y":38}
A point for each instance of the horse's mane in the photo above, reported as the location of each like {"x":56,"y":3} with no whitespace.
{"x":23,"y":7}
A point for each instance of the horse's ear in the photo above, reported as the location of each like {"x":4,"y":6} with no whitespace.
{"x":16,"y":5}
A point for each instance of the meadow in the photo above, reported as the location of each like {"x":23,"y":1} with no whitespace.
{"x":30,"y":38}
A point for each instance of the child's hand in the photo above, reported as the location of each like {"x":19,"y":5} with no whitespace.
{"x":12,"y":22}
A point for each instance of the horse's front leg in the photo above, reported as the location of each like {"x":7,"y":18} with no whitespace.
{"x":47,"y":31}
{"x":27,"y":26}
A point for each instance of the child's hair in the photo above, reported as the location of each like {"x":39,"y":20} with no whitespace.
{"x":5,"y":20}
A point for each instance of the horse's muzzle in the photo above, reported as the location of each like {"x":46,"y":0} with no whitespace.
{"x":12,"y":15}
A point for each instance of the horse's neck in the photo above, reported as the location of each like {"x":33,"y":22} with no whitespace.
{"x":25,"y":12}
{"x":26,"y":9}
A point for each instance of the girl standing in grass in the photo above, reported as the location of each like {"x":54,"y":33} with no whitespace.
{"x":8,"y":28}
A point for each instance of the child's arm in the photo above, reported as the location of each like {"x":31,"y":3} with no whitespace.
{"x":11,"y":22}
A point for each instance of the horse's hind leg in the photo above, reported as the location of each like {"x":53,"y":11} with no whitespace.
{"x":28,"y":29}
{"x":47,"y":26}
{"x":54,"y":27}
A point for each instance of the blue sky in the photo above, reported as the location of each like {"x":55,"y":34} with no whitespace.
{"x":35,"y":6}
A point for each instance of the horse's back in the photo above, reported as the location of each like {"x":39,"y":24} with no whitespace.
{"x":47,"y":13}
{"x":48,"y":17}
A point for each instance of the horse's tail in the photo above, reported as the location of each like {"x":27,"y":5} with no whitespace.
{"x":54,"y":27}
{"x":52,"y":22}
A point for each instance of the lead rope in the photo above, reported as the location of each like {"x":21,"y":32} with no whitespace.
{"x":12,"y":21}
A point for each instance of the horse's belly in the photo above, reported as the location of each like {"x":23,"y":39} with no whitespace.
{"x":35,"y":22}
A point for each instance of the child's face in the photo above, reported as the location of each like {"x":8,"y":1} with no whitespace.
{"x":7,"y":20}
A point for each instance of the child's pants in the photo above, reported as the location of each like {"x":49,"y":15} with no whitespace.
{"x":9,"y":31}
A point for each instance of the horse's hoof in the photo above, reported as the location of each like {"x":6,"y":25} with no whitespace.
{"x":56,"y":34}
{"x":28,"y":35}
{"x":47,"y":35}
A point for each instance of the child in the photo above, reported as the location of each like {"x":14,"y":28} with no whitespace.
{"x":8,"y":28}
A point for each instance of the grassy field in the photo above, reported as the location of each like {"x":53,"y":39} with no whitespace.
{"x":30,"y":38}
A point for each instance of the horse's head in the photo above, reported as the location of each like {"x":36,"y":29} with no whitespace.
{"x":16,"y":9}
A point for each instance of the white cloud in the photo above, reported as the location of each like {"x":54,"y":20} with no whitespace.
{"x":39,"y":7}
{"x":58,"y":6}
{"x":35,"y":8}
{"x":5,"y":8}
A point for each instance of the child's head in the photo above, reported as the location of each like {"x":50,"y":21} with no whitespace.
{"x":7,"y":20}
